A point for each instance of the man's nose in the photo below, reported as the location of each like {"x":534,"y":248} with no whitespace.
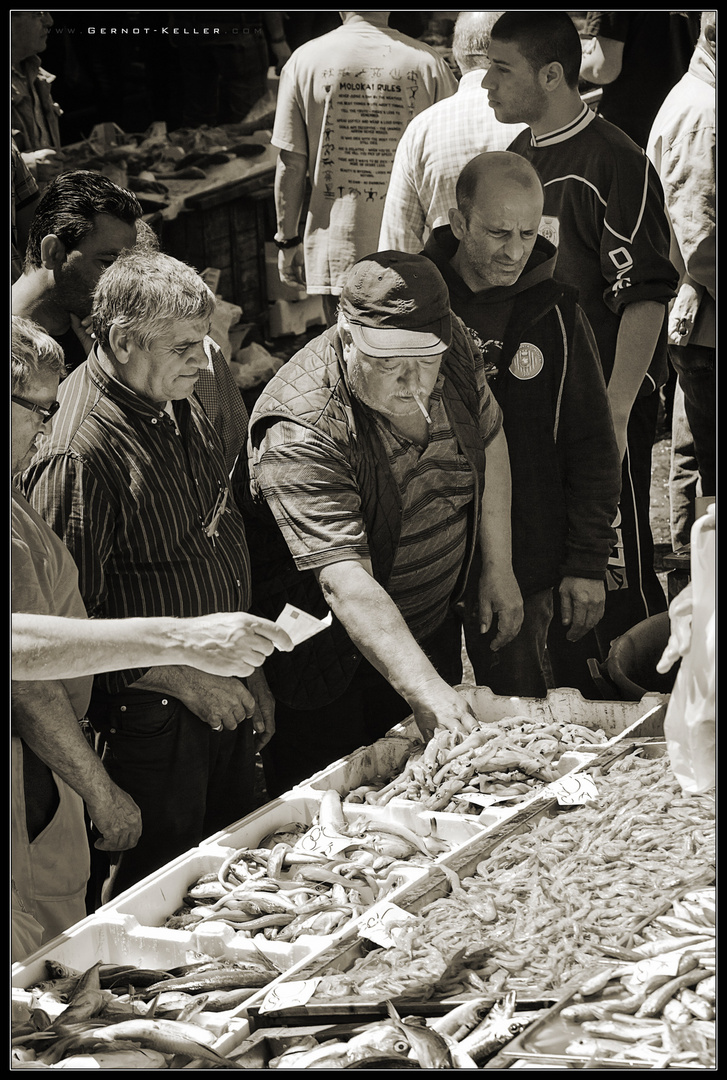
{"x":409,"y":374}
{"x":485,"y":82}
{"x":514,"y":248}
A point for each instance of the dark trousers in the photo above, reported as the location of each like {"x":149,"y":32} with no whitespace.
{"x":633,"y":589}
{"x":307,"y":740}
{"x":693,"y":436}
{"x":187,"y":780}
{"x":519,"y":669}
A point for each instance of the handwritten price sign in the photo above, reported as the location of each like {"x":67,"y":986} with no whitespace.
{"x":574,"y":789}
{"x":288,"y":995}
{"x":382,"y":923}
{"x":318,"y":842}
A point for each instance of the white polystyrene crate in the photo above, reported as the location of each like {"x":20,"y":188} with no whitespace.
{"x":151,"y":901}
{"x":119,"y":939}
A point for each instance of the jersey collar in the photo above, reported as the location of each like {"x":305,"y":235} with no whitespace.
{"x":562,"y":134}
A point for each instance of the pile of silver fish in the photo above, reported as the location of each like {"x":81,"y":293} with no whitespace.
{"x":116,"y":1016}
{"x":465,"y":1038}
{"x":283,"y":890}
{"x":551,"y":901}
{"x":511,"y":758}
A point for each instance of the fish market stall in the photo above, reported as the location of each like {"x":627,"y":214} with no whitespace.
{"x":208,"y":192}
{"x":331,"y":931}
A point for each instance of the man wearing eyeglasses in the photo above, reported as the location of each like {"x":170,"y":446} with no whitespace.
{"x":54,"y":769}
{"x":135,"y":481}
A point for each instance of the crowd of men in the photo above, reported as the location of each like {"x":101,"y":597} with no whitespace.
{"x":462,"y":455}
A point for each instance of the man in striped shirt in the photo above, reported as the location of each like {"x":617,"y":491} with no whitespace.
{"x":439,"y":142}
{"x":604,"y":211}
{"x":367,"y":455}
{"x":133,"y":478}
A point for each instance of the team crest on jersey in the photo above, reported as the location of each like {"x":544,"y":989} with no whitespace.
{"x":550,"y":229}
{"x":527,"y":362}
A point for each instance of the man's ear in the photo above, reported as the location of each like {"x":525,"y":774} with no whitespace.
{"x":52,"y":252}
{"x":119,"y":343}
{"x":551,"y":76}
{"x":457,"y":222}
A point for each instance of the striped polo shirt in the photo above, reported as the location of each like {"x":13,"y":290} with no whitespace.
{"x":133,"y":501}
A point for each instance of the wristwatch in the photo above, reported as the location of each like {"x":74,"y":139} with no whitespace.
{"x":283,"y":245}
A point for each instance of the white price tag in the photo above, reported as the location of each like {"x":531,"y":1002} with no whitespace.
{"x":318,"y":842}
{"x":382,"y":922}
{"x":478,"y":799}
{"x":574,"y":790}
{"x":288,"y":995}
{"x":299,"y":625}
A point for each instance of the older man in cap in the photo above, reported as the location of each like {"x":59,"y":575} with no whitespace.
{"x":367,"y":460}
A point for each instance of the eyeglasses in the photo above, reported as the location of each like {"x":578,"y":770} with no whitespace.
{"x":210,"y":524}
{"x":46,"y":411}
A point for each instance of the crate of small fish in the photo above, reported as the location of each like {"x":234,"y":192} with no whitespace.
{"x":126,"y":1016}
{"x":515,"y":748}
{"x":286,"y":880}
{"x":653,"y":1007}
{"x":426,"y":1035}
{"x":533,"y":904}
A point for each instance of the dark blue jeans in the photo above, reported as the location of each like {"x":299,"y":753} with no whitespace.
{"x":187,"y":780}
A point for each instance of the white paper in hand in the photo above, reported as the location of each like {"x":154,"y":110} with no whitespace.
{"x":299,"y":625}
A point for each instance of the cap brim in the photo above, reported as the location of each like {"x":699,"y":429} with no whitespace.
{"x":389,"y":341}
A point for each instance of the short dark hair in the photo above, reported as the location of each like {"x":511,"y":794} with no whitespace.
{"x":543,"y":37}
{"x":68,"y":207}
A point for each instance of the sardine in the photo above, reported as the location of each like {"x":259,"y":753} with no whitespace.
{"x":217,"y":979}
{"x":496,"y":1030}
{"x":462,"y":1019}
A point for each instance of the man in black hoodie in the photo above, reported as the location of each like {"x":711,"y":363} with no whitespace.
{"x":544,"y":370}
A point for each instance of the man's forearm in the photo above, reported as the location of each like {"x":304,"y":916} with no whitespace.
{"x":376,"y":627}
{"x":43,"y":717}
{"x":637,"y":337}
{"x":290,"y":174}
{"x":495,"y":525}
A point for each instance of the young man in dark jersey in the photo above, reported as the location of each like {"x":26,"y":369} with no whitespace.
{"x":604,"y":211}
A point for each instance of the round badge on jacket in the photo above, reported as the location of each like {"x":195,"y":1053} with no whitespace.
{"x":527,"y":362}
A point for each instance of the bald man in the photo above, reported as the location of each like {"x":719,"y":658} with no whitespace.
{"x":543,"y":368}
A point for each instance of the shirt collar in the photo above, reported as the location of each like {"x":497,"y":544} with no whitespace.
{"x":120,"y":394}
{"x":562,"y":134}
{"x":472,"y":80}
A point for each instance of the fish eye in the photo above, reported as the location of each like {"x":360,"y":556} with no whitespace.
{"x":401,"y":1047}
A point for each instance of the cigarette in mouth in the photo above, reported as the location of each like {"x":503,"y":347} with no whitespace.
{"x":421,"y":405}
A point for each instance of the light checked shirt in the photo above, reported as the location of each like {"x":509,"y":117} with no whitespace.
{"x":429,"y":158}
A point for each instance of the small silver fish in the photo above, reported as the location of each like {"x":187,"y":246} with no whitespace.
{"x":428,"y":1046}
{"x":496,"y":1030}
{"x":383,"y":1037}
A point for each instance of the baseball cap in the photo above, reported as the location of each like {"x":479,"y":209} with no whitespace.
{"x":397,"y":304}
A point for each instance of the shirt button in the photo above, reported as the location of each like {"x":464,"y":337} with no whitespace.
{"x":123,"y":708}
{"x":239,"y":583}
{"x":112,"y":730}
{"x":154,"y":421}
{"x":164,"y":701}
